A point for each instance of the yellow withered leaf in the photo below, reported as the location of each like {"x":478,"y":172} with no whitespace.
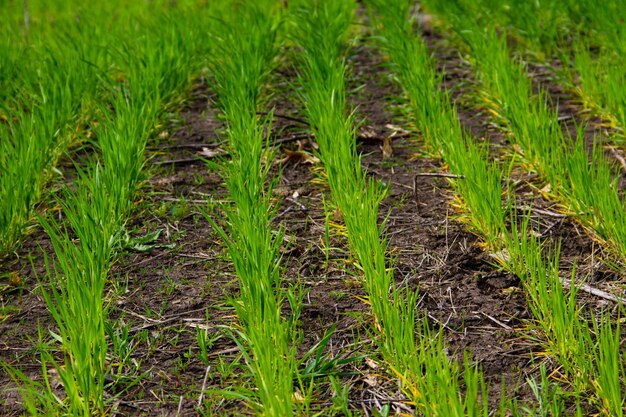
{"x":371,"y":363}
{"x":387,"y":148}
{"x":299,"y":155}
{"x":15,"y":280}
{"x":371,"y":380}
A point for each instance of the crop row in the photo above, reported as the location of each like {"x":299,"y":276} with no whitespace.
{"x":96,"y":206}
{"x":128,"y":96}
{"x":265,"y":338}
{"x":59,"y":76}
{"x":592,"y":365}
{"x":588,"y":40}
{"x":585,"y":189}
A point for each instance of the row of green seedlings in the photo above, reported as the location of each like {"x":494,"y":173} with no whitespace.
{"x":266,"y":339}
{"x":427,"y":375}
{"x":586,"y":189}
{"x":600,"y":74}
{"x":55,"y":29}
{"x":21,"y":49}
{"x":589,"y":39}
{"x":54,"y":80}
{"x":23,"y":44}
{"x":589,"y":189}
{"x":36,"y":132}
{"x":95,"y":210}
{"x":588,"y":354}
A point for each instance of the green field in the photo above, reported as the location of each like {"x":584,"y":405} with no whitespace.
{"x":312,"y":208}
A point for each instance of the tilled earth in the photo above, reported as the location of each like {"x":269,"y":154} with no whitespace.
{"x":162,"y":292}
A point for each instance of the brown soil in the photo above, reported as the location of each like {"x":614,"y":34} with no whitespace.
{"x":186,"y":281}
